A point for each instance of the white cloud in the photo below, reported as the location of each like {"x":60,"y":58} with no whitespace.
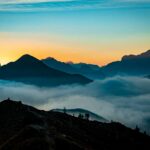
{"x":124,"y":99}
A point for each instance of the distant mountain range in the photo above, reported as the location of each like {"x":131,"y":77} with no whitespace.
{"x":129,"y":65}
{"x":90,"y":71}
{"x":51,"y":72}
{"x":135,"y":65}
{"x":30,"y":70}
{"x":76,"y":111}
{"x":23,"y":127}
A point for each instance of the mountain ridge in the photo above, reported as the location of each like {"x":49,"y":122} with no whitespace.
{"x":77,"y":111}
{"x":24,"y":127}
{"x":90,"y":71}
{"x":134,"y":65}
{"x":137,"y":65}
{"x":30,"y":70}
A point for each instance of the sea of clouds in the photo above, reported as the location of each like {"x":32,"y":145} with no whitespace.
{"x":123,"y":99}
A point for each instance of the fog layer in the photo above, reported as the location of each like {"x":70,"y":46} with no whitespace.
{"x":123,"y":99}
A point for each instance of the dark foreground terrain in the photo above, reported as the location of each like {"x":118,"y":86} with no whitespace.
{"x":23,"y":127}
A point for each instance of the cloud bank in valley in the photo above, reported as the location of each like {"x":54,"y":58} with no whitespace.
{"x":124,"y":99}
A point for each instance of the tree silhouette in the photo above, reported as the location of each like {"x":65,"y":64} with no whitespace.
{"x":137,"y":129}
{"x":87,"y":116}
{"x":65,"y":111}
{"x":80,"y":116}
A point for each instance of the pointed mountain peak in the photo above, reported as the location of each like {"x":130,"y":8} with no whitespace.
{"x":27,"y":58}
{"x":50,"y":58}
{"x":69,"y":62}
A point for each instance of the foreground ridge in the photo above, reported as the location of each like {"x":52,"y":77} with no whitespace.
{"x":25,"y":127}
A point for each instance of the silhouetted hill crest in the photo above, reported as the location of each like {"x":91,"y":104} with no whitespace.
{"x":90,"y":71}
{"x":35,"y":129}
{"x":30,"y":70}
{"x":143,"y":55}
{"x":134,"y":65}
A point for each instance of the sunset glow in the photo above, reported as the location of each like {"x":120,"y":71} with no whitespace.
{"x":91,"y":35}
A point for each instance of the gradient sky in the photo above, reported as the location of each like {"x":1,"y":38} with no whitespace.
{"x":92,"y":31}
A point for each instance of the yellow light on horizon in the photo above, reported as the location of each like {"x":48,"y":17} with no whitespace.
{"x":14,"y":45}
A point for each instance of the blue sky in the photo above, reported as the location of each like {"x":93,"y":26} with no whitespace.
{"x":51,"y":5}
{"x":94,"y":31}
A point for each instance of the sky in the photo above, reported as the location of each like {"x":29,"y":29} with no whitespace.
{"x":91,"y":31}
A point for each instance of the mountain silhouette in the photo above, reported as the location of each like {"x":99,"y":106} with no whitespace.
{"x":130,"y":65}
{"x":77,"y":111}
{"x":88,"y":70}
{"x":53,"y":63}
{"x":23,"y":127}
{"x":30,"y":70}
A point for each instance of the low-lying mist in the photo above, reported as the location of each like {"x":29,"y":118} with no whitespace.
{"x":123,"y":99}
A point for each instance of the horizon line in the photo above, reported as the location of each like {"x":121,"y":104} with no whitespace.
{"x":70,"y":60}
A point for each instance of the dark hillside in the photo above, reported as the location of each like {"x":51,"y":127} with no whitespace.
{"x":23,"y":127}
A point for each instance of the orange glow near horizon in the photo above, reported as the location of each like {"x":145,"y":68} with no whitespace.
{"x":40,"y":46}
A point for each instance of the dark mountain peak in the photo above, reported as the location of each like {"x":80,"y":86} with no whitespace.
{"x":146,"y":54}
{"x":90,"y":71}
{"x":70,"y":62}
{"x":30,"y":70}
{"x":9,"y":106}
{"x":9,"y":102}
{"x":130,"y":65}
{"x":50,"y":58}
{"x":142,"y":55}
{"x":27,"y":58}
{"x":53,"y":61}
{"x":6,"y":102}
